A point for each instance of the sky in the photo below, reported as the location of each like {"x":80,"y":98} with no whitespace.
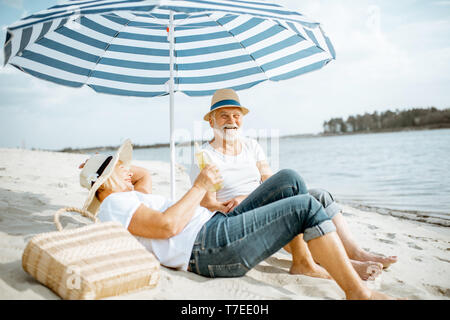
{"x":390,"y":55}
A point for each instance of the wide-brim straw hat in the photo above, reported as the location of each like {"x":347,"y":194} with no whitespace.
{"x":225,"y":98}
{"x":98,"y":169}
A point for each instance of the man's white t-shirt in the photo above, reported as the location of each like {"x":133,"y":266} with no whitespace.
{"x":240,"y":174}
{"x":174,"y":252}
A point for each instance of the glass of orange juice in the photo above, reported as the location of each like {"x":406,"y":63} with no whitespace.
{"x":203,"y":158}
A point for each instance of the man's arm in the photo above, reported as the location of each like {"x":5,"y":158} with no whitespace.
{"x":264,"y":170}
{"x":141,"y":179}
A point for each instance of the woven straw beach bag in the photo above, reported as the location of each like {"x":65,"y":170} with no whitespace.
{"x":95,"y":261}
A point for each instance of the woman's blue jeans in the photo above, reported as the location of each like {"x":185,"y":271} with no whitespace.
{"x":229,"y":245}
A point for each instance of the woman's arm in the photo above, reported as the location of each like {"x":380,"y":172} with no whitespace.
{"x":141,"y":179}
{"x":154,"y":224}
{"x":150,"y":223}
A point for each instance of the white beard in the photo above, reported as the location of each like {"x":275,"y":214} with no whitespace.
{"x":228,"y":135}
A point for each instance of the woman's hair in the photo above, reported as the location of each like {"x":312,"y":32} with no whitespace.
{"x":112,"y":183}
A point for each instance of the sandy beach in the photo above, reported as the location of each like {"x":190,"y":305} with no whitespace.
{"x":34,"y":184}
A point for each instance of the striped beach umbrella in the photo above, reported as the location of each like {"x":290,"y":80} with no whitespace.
{"x":148,"y":48}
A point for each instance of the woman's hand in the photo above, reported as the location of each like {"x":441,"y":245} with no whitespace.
{"x":208,"y":177}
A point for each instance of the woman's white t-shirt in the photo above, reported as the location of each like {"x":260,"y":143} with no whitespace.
{"x":174,"y":252}
{"x":240,"y":174}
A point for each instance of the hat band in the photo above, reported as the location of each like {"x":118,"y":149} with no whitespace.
{"x":225,"y":103}
{"x":102,"y":168}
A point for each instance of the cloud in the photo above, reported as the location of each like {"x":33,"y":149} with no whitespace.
{"x":441,"y":3}
{"x":17,"y":4}
{"x":24,"y":14}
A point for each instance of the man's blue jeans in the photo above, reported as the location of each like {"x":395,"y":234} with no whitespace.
{"x":229,"y":245}
{"x":326,"y":200}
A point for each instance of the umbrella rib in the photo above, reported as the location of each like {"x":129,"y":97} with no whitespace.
{"x":115,"y":36}
{"x":106,"y":49}
{"x":240,"y":43}
{"x":250,"y":55}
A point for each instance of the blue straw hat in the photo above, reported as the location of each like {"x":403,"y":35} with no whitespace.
{"x":225,"y":98}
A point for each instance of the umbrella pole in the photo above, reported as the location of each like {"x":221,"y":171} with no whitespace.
{"x":171,"y":91}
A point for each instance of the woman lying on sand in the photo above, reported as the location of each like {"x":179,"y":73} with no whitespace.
{"x":185,"y":236}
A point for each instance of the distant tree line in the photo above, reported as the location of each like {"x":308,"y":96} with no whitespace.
{"x":390,"y":120}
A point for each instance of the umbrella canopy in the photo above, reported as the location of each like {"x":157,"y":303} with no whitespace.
{"x":150,"y":48}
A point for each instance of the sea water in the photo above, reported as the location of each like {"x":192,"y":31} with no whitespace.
{"x":404,"y":171}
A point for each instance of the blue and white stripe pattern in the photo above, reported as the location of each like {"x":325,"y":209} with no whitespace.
{"x":121,"y":46}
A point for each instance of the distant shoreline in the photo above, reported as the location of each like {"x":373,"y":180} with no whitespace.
{"x":305,"y":135}
{"x":430,"y":127}
{"x":436,"y":218}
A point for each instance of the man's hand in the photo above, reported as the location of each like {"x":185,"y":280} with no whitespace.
{"x":233,"y":203}
{"x":220,"y":206}
{"x":210,"y":202}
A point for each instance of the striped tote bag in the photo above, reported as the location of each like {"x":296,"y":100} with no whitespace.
{"x":95,"y":261}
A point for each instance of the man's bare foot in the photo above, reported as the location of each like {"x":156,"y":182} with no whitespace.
{"x":367,"y":256}
{"x":367,"y":270}
{"x":381,"y":296}
{"x":310,"y":270}
{"x":368,"y":294}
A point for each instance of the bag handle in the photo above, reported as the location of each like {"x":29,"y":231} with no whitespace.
{"x":84,"y":213}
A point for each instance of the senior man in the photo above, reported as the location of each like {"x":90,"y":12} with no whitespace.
{"x":243,"y":166}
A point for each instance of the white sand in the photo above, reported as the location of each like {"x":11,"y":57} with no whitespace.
{"x":34,"y":184}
